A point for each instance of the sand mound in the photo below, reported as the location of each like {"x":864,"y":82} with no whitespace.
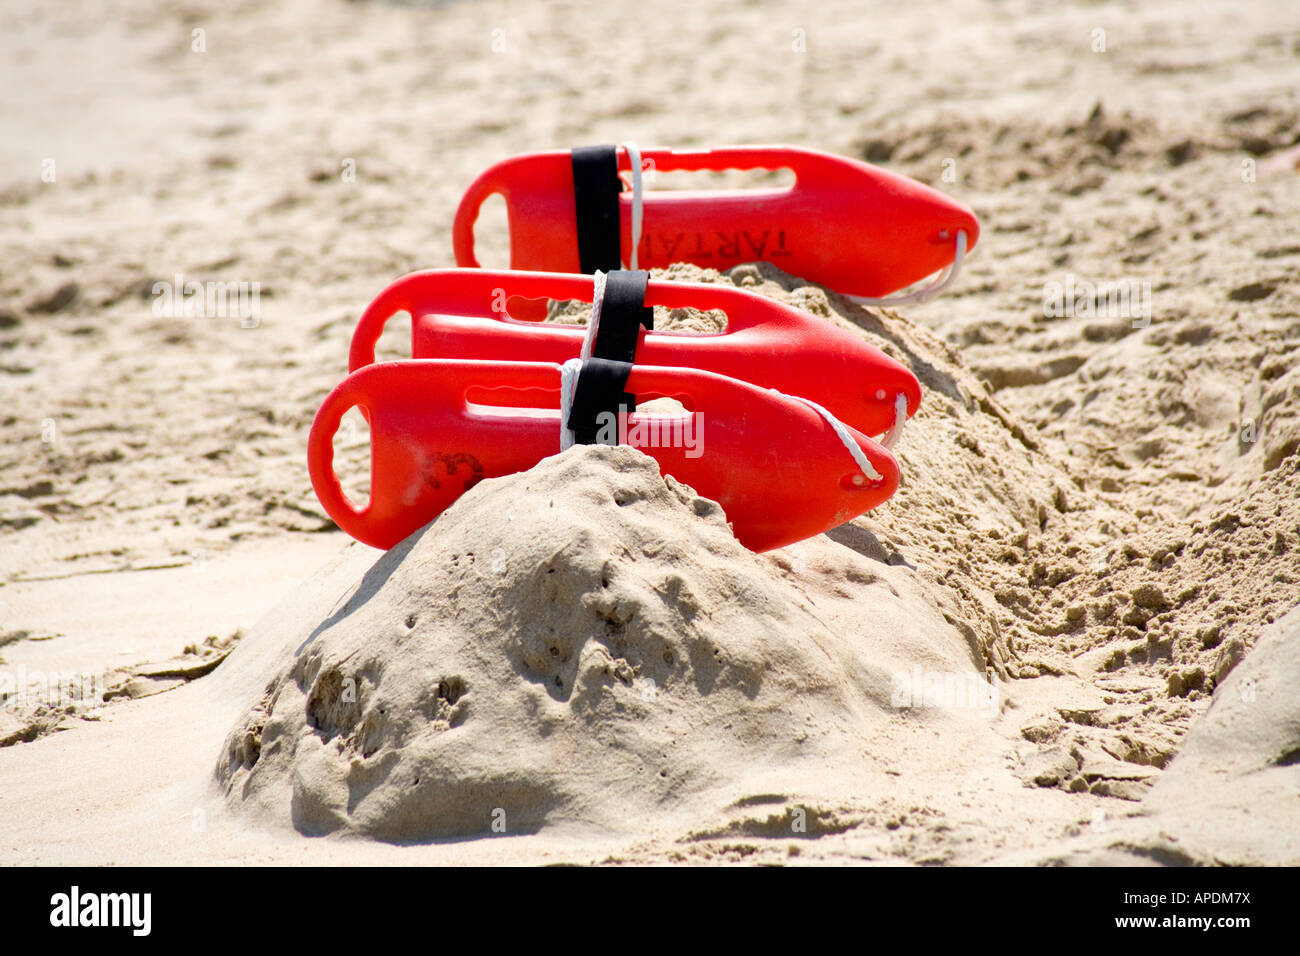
{"x":585,"y":642}
{"x":545,"y":648}
{"x":540,"y":651}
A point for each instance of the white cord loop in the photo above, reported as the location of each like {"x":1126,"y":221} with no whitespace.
{"x":891,"y":437}
{"x":842,"y":433}
{"x":593,"y":324}
{"x":634,"y":158}
{"x":569,"y":372}
{"x":941,"y":282}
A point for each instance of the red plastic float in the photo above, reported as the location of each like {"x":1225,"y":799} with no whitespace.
{"x":848,"y":225}
{"x":458,"y":314}
{"x":437,"y":427}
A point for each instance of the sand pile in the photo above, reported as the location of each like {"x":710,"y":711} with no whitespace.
{"x":583,"y":643}
{"x":574,"y":623}
{"x":585,"y":620}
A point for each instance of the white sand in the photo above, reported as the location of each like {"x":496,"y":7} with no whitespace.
{"x":1102,"y":518}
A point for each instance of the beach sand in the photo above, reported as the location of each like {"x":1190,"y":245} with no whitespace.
{"x":1099,"y":517}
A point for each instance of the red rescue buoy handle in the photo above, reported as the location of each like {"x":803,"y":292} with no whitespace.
{"x":727,"y":157}
{"x":551,"y":172}
{"x":459,"y":292}
{"x":487,"y":184}
{"x":320,"y":450}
